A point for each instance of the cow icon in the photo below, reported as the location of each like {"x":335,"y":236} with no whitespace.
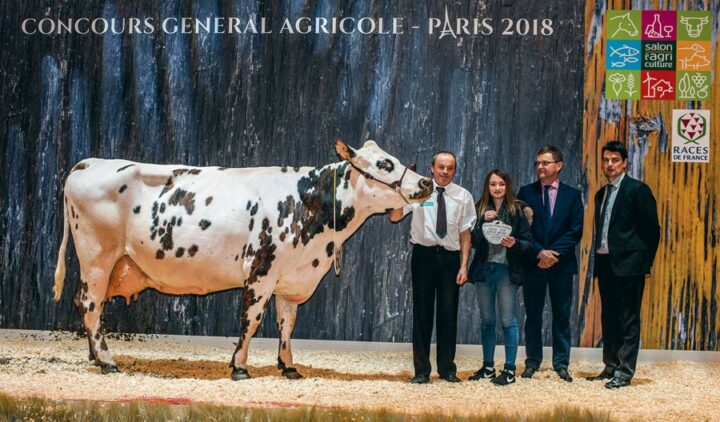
{"x":694,"y":24}
{"x":198,"y":230}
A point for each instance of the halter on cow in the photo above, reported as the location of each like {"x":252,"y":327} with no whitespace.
{"x":198,"y":230}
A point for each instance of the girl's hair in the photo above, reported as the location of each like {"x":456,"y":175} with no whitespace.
{"x":485,"y":202}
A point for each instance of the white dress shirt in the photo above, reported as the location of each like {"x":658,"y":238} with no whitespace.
{"x":609,"y":203}
{"x":460,"y":212}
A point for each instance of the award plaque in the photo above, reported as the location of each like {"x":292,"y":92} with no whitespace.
{"x":494,"y":231}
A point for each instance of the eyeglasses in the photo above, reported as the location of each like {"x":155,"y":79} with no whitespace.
{"x":544,"y":163}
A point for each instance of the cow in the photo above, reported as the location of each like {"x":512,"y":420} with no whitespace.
{"x":198,"y":230}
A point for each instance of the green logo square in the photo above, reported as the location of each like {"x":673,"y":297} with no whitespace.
{"x":622,"y":85}
{"x":694,"y":26}
{"x":696,"y":86}
{"x":624,"y":24}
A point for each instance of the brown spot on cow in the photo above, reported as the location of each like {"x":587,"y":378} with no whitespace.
{"x":252,"y":222}
{"x":160,"y":254}
{"x":168,"y":186}
{"x":79,"y":166}
{"x":76,"y":226}
{"x":183,"y":198}
{"x":193,"y":250}
{"x":254,"y":209}
{"x":315,"y":262}
{"x":282,"y":236}
{"x":162,"y":208}
{"x":204,"y":224}
{"x":208,"y":200}
{"x":136,"y":210}
{"x":330,"y":248}
{"x":179,"y":252}
{"x":91,"y":307}
{"x":237,"y":257}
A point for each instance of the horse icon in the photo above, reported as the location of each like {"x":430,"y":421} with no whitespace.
{"x":624,"y":24}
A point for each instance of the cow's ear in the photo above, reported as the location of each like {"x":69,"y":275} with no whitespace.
{"x":344,"y":151}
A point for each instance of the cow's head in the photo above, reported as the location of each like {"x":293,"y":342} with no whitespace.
{"x":694,"y":25}
{"x":387,"y":180}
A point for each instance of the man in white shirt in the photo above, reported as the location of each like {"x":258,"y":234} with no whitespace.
{"x":440,"y":234}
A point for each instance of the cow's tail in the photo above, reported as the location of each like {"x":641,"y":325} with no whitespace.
{"x":60,"y":268}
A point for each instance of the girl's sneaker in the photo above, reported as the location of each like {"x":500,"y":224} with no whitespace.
{"x":484,"y":372}
{"x":506,"y":377}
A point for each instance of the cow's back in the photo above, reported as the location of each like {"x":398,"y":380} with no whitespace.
{"x":187,"y":229}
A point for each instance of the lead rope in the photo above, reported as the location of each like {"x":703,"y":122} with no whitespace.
{"x":337,"y":250}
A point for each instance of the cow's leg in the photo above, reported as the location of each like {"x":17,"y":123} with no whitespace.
{"x":255,"y":299}
{"x":286,"y":313}
{"x":89,"y":302}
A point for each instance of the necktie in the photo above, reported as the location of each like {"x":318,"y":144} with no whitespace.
{"x":546,"y":202}
{"x":603,"y":214}
{"x":441,"y":225}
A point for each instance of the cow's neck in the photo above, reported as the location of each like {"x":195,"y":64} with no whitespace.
{"x":339,"y":182}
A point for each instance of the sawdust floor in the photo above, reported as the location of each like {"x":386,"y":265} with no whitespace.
{"x":59,"y":369}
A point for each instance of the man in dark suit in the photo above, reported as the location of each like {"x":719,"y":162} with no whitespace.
{"x":627,"y":234}
{"x":557,"y":228}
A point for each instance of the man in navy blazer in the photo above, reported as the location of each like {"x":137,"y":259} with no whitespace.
{"x":557,"y":228}
{"x":627,"y":234}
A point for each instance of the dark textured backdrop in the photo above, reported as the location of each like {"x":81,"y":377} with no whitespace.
{"x":265,"y":100}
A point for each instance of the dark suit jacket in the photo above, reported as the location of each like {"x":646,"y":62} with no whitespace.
{"x":564,"y":230}
{"x":517,"y":256}
{"x":634,"y":231}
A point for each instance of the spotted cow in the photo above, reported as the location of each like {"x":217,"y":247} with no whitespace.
{"x":198,"y":230}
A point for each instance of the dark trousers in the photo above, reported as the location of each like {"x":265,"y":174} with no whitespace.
{"x":560,"y":286}
{"x":434,"y":271}
{"x":621,"y":299}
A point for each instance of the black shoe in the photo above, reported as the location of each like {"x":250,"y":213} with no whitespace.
{"x":528,"y":372}
{"x":484,"y":372}
{"x":420,"y":379}
{"x":617,"y":382}
{"x":451,"y":378}
{"x":606,"y":374}
{"x":564,"y":374}
{"x":506,"y":377}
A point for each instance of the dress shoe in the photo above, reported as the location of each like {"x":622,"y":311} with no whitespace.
{"x":528,"y":372}
{"x":617,"y":382}
{"x":564,"y":374}
{"x":606,"y":374}
{"x":420,"y":379}
{"x":484,"y":372}
{"x":451,"y":378}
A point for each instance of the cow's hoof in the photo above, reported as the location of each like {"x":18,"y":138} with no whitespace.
{"x":291,"y":374}
{"x":240,"y":374}
{"x":109,"y":369}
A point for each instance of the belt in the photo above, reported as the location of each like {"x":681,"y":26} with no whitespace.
{"x":436,"y":249}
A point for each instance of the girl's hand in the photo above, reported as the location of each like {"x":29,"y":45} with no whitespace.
{"x":508,"y":242}
{"x":490,"y":215}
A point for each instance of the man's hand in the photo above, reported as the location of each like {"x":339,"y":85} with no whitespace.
{"x":547,"y":258}
{"x":462,"y":275}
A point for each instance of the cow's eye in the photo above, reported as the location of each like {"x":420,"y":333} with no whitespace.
{"x":386,"y":165}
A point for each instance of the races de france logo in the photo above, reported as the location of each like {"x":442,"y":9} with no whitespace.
{"x":691,"y":136}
